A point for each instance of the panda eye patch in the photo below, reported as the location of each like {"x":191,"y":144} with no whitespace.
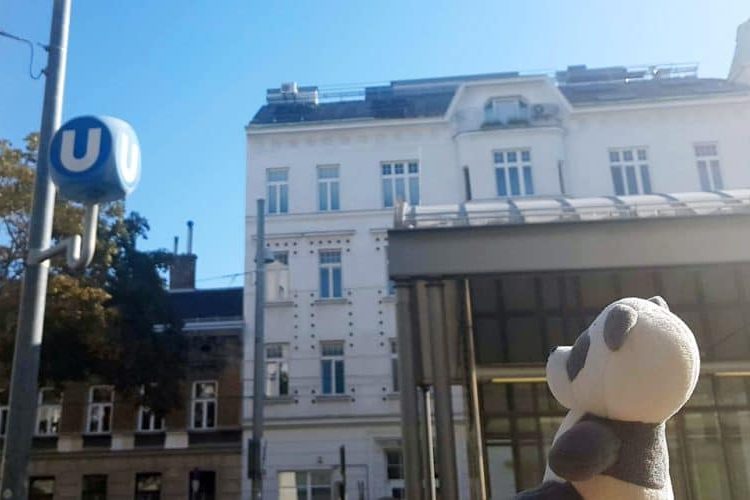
{"x":577,"y":357}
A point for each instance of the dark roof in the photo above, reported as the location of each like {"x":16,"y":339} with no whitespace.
{"x":379,"y":103}
{"x":431,"y":97}
{"x":216,"y":303}
{"x":648,"y":90}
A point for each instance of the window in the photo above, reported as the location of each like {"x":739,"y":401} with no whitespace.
{"x":394,"y":366}
{"x":94,"y":487}
{"x":3,"y":420}
{"x":305,"y":485}
{"x":328,"y":188}
{"x":277,"y":180}
{"x":630,"y":171}
{"x":277,"y":370}
{"x":204,"y":405}
{"x":506,"y":111}
{"x":148,"y":486}
{"x":281,"y":257}
{"x":709,"y":169}
{"x":101,"y":398}
{"x":332,"y":367}
{"x":400,"y":183}
{"x":149,"y":421}
{"x":202,"y":484}
{"x":48,"y":411}
{"x":41,"y":488}
{"x":395,"y":464}
{"x":330,"y":274}
{"x":513,"y":175}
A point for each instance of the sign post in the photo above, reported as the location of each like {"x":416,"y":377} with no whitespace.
{"x":92,"y":160}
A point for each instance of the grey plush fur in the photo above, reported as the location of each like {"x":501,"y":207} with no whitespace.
{"x":621,"y":319}
{"x":578,"y":354}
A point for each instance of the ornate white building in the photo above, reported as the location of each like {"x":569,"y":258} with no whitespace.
{"x":331,"y":168}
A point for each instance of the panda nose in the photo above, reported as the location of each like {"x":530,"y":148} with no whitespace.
{"x":551,"y":350}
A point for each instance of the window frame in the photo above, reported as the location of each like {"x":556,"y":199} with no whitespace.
{"x":335,"y":366}
{"x":91,"y":405}
{"x":282,"y":369}
{"x":628,"y":173}
{"x":49,"y":411}
{"x":329,"y":183}
{"x":390,"y":466}
{"x":276,"y":204}
{"x":147,"y":494}
{"x":330,"y":291}
{"x":204,"y":403}
{"x":32,"y":479}
{"x":308,"y":485}
{"x":406,"y":177}
{"x":710,"y":177}
{"x":87,"y":494}
{"x":518,"y":172}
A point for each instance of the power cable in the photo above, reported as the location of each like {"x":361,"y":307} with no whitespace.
{"x":31,"y":49}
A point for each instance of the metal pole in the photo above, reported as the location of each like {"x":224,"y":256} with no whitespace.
{"x":406,"y":311}
{"x":446,"y":442}
{"x":24,"y":380}
{"x":259,"y":376}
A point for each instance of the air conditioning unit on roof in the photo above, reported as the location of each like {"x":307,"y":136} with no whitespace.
{"x":544,"y":110}
{"x":289,"y":88}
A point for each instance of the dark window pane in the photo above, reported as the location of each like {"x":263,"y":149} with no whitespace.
{"x":528,"y":181}
{"x":340,"y":377}
{"x":617,"y":181}
{"x":716,"y":175}
{"x":515,"y":183}
{"x":703,"y":176}
{"x":631,"y":179}
{"x":645,"y":179}
{"x":325,"y":368}
{"x":502,"y":189}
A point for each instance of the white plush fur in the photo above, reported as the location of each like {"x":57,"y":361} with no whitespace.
{"x":648,"y":379}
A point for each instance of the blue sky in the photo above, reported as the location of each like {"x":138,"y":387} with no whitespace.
{"x":188,"y":75}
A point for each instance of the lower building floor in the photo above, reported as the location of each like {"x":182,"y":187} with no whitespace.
{"x":303,"y":460}
{"x":141,"y":475}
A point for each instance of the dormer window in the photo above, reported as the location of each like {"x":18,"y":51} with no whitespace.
{"x":506,"y":111}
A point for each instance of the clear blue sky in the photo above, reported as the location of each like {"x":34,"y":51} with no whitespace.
{"x":188,"y":75}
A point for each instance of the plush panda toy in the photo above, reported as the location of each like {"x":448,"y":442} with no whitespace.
{"x":630,"y":371}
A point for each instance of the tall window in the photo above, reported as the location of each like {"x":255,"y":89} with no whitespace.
{"x":330,"y":274}
{"x":709,"y":169}
{"x":513,"y":176}
{"x":328,"y":188}
{"x":277,"y":180}
{"x":332,"y":367}
{"x":400,"y":183}
{"x":41,"y":488}
{"x":94,"y":487}
{"x":148,"y":486}
{"x":277,"y":370}
{"x":149,"y":421}
{"x":48,"y":411}
{"x":204,"y":405}
{"x":394,"y":366}
{"x":630,"y":171}
{"x":305,"y":485}
{"x":395,"y":464}
{"x":101,"y":399}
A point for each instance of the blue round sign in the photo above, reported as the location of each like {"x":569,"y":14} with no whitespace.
{"x":95,"y":159}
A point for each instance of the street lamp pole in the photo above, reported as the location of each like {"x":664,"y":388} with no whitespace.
{"x":24,"y":379}
{"x":259,"y":376}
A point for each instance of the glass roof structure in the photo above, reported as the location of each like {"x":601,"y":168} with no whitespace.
{"x":537,"y":210}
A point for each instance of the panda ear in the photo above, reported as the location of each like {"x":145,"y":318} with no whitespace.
{"x":659,"y":301}
{"x":620,"y":320}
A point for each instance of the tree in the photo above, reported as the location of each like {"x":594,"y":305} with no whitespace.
{"x":111,"y":322}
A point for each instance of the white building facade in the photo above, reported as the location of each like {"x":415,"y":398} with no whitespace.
{"x":332,"y":169}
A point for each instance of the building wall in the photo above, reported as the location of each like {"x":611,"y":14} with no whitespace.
{"x":573,"y":145}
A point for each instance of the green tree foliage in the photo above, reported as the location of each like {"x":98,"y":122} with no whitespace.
{"x":110,"y":323}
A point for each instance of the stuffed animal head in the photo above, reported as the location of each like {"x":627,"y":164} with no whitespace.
{"x":636,"y":362}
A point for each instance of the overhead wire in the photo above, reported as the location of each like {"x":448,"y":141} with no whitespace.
{"x":31,"y":50}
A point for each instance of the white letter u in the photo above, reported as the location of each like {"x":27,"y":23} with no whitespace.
{"x":67,"y":157}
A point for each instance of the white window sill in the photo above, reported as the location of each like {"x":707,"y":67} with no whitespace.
{"x":333,"y":398}
{"x":279,"y":303}
{"x":325,"y":302}
{"x":278,"y":400}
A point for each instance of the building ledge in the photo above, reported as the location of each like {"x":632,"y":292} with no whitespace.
{"x":396,"y":396}
{"x":326,"y":302}
{"x":278,"y":400}
{"x":333,"y":398}
{"x":279,"y":303}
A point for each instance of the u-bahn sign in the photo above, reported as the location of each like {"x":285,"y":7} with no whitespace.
{"x":95,"y":159}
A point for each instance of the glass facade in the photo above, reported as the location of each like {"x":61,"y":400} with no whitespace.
{"x":519,"y":317}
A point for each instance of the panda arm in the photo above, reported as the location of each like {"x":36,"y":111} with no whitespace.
{"x":583,"y":451}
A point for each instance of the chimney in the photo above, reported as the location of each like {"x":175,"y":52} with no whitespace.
{"x":182,"y":268}
{"x":740,"y":70}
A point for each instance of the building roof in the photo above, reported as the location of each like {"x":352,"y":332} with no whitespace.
{"x":431,"y":97}
{"x":209,"y":304}
{"x":648,"y":90}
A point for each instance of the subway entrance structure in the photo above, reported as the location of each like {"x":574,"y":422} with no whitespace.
{"x":486,"y":288}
